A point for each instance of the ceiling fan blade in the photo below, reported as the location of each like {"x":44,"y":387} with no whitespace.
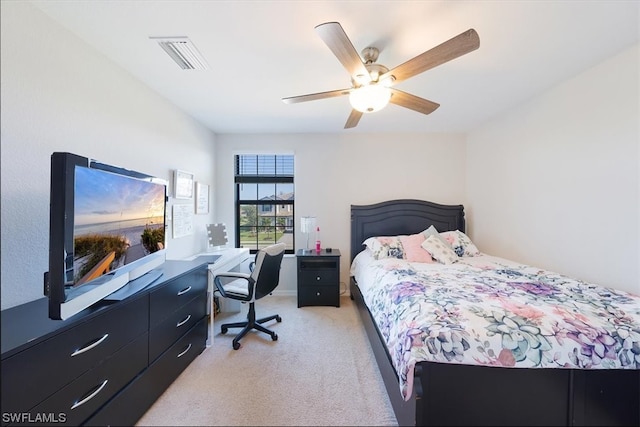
{"x":412,"y":102}
{"x":337,"y":40}
{"x":353,"y":119}
{"x":314,"y":96}
{"x":451,"y":49}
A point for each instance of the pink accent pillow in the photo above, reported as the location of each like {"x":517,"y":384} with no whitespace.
{"x":413,"y":251}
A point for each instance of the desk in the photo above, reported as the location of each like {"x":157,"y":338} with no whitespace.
{"x":229,"y":260}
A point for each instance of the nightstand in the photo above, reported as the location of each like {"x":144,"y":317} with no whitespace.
{"x":318,"y":277}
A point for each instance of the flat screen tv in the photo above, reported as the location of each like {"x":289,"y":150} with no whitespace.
{"x":106,"y":233}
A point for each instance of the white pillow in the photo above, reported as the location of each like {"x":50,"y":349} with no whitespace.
{"x":431,"y":231}
{"x":385,"y":247}
{"x":460,"y":243}
{"x":439,"y":250}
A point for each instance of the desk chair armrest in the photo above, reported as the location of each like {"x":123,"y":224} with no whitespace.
{"x":233,"y":274}
{"x":220,"y":282}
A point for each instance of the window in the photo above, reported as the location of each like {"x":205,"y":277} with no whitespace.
{"x":264,"y":201}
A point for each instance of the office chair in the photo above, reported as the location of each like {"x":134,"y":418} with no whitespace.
{"x":264,"y":277}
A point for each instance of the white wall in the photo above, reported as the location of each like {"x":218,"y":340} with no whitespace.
{"x":539,"y":184}
{"x":555,"y":182}
{"x":333,"y":171}
{"x":58,"y":94}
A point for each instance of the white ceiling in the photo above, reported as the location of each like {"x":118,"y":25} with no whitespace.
{"x":262,"y":51}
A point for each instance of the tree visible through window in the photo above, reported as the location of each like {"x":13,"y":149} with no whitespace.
{"x":264,"y":201}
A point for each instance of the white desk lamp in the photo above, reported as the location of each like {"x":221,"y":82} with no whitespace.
{"x":308,"y":226}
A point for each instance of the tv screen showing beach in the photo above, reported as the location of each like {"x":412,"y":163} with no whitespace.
{"x":117,"y":220}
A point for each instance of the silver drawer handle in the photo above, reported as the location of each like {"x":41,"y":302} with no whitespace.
{"x":184,"y":291}
{"x":317,"y":277}
{"x":89,"y":347}
{"x":183,"y":322}
{"x":91,"y":396}
{"x":184,"y":352}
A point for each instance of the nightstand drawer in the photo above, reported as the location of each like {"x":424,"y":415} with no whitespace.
{"x":318,"y":277}
{"x":319,"y":295}
{"x":318,"y":264}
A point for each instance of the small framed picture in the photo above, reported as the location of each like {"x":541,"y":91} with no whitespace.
{"x":183,"y":184}
{"x":202,"y":198}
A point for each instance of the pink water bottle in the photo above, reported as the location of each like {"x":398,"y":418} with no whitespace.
{"x":318,"y":239}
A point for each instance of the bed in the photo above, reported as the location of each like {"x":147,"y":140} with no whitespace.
{"x":469,"y":382}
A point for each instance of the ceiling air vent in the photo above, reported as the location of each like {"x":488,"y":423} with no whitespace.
{"x":183,"y":52}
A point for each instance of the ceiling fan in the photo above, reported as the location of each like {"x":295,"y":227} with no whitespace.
{"x":372,"y":83}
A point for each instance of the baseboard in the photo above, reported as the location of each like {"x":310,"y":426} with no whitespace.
{"x":285,"y":293}
{"x":294,"y":293}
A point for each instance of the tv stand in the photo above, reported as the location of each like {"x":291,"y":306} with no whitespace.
{"x":109,"y":363}
{"x":135,"y":286}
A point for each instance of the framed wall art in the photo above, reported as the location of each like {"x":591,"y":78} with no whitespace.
{"x":202,"y":198}
{"x":182,"y":220}
{"x":183,"y":184}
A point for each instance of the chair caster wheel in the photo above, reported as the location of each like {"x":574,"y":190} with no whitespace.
{"x":278,"y":319}
{"x":274,"y":337}
{"x":223,"y":330}
{"x":236,"y":345}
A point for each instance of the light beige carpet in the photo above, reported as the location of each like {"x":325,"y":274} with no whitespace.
{"x":320,"y":371}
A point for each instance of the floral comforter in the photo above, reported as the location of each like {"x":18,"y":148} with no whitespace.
{"x":486,"y":310}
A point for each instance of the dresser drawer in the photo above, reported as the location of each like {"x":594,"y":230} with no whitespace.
{"x":80,"y":399}
{"x":167,"y":367}
{"x":126,"y":408}
{"x":176,"y":324}
{"x":179,"y":291}
{"x":32,"y":375}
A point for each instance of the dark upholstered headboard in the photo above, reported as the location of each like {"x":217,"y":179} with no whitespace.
{"x":403,"y":216}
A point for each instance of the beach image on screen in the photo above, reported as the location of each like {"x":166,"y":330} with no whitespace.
{"x":117,"y":220}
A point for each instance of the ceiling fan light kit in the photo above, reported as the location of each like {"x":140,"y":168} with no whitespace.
{"x":371,"y":83}
{"x":370,"y":98}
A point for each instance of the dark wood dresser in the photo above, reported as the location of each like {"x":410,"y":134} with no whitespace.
{"x":109,"y":363}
